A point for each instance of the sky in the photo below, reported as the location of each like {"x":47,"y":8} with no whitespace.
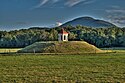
{"x":17,"y":14}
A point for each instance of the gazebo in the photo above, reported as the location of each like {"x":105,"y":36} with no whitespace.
{"x":63,"y":35}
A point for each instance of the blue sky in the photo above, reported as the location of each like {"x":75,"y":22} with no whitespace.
{"x":16,"y":14}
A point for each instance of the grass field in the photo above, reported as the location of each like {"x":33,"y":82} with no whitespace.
{"x":9,"y":50}
{"x":114,"y":49}
{"x":85,"y":68}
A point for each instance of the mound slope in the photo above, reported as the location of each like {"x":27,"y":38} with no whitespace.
{"x":61,"y":47}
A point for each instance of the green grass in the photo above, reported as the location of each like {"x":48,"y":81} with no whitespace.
{"x":114,"y":49}
{"x":37,"y":68}
{"x":61,"y":47}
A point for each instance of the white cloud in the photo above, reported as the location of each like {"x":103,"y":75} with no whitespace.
{"x":72,"y":3}
{"x":69,"y":3}
{"x":89,"y":1}
{"x":116,"y":15}
{"x":58,"y":24}
{"x":42,"y":2}
{"x":116,"y":11}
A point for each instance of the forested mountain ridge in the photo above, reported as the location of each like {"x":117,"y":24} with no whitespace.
{"x":89,"y":22}
{"x":100,"y":37}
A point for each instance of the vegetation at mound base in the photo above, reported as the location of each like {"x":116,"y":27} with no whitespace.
{"x":61,"y":47}
{"x":9,"y":50}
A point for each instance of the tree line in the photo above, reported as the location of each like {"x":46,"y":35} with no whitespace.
{"x":100,"y":37}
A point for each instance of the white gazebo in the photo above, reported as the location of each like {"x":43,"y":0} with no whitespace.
{"x":63,"y":35}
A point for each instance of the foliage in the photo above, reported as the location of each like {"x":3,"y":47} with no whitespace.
{"x":100,"y":37}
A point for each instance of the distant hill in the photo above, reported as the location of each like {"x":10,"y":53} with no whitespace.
{"x":61,"y":47}
{"x":89,"y":22}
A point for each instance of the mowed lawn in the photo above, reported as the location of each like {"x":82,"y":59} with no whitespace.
{"x":37,"y":68}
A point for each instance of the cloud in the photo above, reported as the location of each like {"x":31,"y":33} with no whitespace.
{"x":54,"y":1}
{"x":58,"y":24}
{"x":116,"y":15}
{"x":116,"y":11}
{"x":42,"y":2}
{"x":115,"y":6}
{"x":68,"y":3}
{"x":71,"y":3}
{"x":89,"y":1}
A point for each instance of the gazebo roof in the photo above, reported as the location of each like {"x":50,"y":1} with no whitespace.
{"x":63,"y":31}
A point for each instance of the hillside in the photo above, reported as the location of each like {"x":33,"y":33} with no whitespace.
{"x":89,"y":22}
{"x":60,"y":47}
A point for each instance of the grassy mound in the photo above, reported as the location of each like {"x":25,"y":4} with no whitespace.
{"x":60,"y":47}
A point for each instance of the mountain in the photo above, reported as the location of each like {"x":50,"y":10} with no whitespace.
{"x":88,"y":22}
